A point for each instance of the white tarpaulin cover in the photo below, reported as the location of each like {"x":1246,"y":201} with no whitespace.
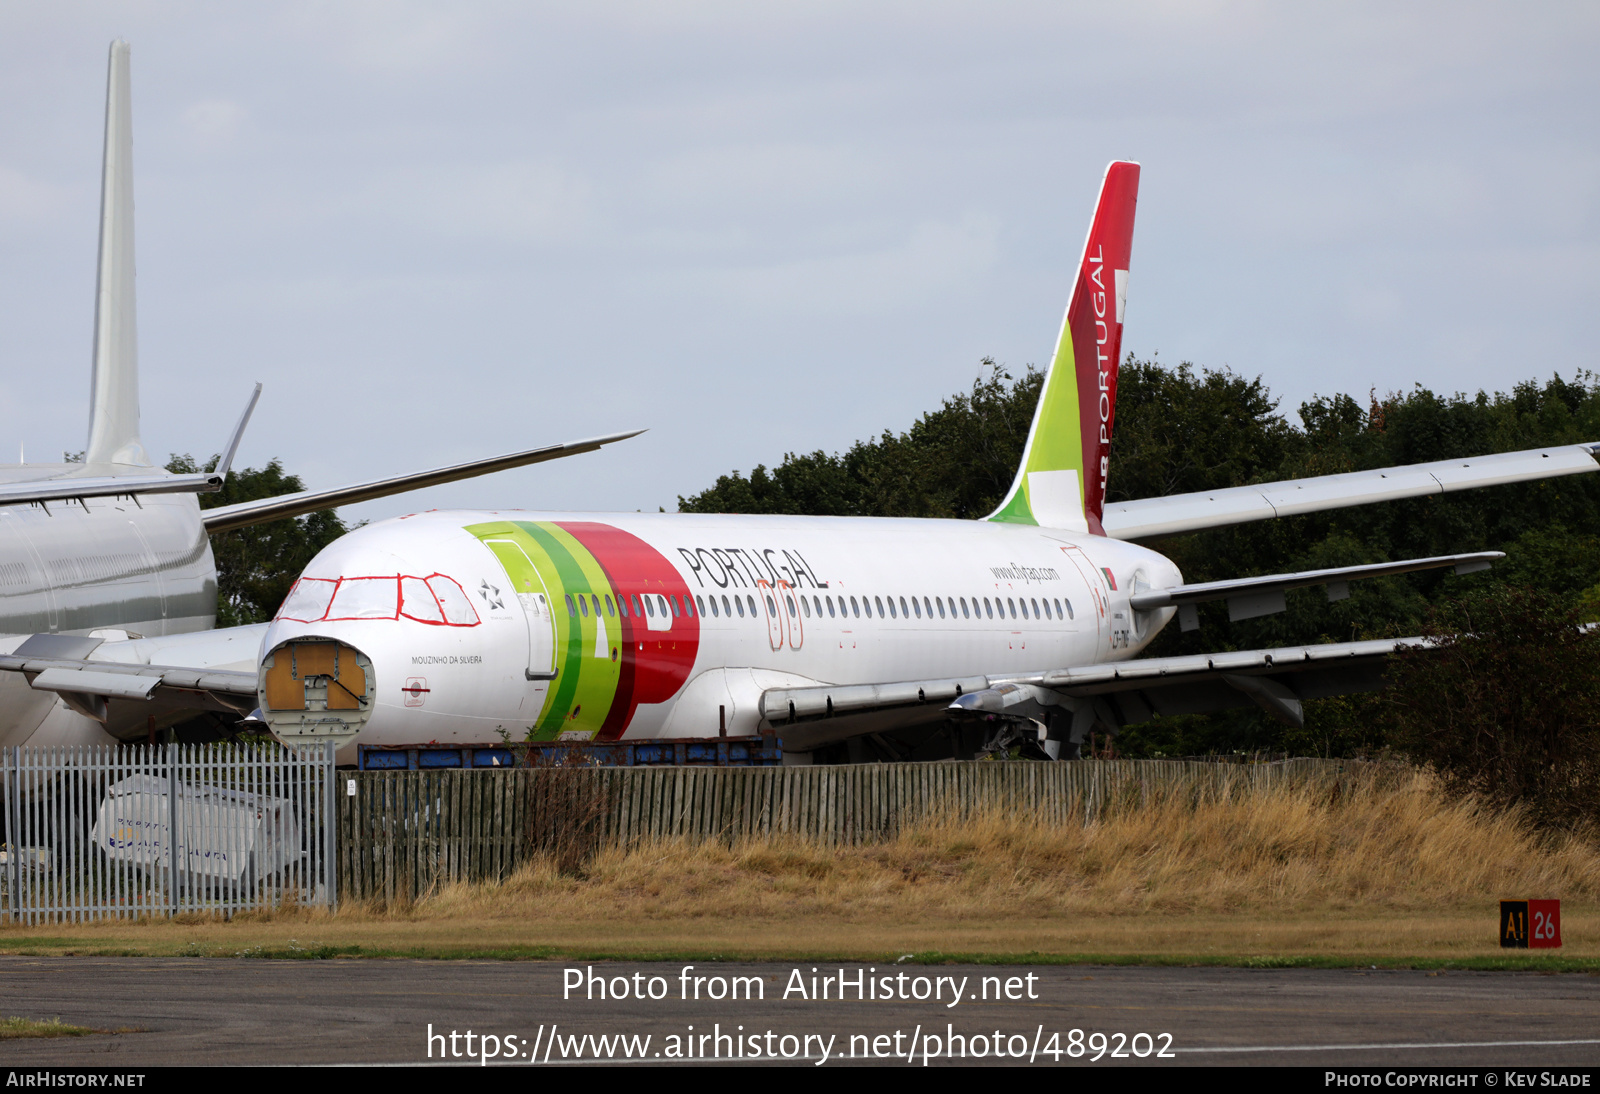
{"x":222,"y":833}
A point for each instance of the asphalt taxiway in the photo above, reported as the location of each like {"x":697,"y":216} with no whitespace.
{"x":248,"y":1011}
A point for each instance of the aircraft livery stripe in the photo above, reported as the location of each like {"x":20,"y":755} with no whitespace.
{"x":566,"y":699}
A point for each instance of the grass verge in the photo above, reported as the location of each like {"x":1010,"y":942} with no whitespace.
{"x":1392,"y":875}
{"x":12,"y":1029}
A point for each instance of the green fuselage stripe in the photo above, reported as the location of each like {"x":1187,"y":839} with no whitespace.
{"x":571,"y":576}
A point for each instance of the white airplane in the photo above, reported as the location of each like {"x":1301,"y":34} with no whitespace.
{"x":114,"y":546}
{"x":472,"y":626}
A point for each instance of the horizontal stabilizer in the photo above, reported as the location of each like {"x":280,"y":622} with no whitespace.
{"x":1175,"y":514}
{"x":227,"y":517}
{"x":1249,"y":597}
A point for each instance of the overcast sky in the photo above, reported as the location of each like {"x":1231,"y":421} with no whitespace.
{"x":442,"y":231}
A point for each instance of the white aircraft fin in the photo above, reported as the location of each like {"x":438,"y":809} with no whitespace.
{"x":114,"y":387}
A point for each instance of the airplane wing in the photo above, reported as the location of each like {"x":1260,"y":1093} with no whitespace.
{"x":1250,"y":597}
{"x":68,"y":488}
{"x":1149,"y":518}
{"x":76,"y":484}
{"x":227,"y":517}
{"x":1074,"y":700}
{"x":124,"y":695}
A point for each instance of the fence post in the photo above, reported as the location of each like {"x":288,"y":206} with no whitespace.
{"x":172,"y":827}
{"x":13,"y":758}
{"x":330,"y":826}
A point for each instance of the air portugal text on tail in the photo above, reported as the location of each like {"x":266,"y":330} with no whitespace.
{"x":1062,"y":480}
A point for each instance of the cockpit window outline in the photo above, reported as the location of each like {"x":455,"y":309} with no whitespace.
{"x":452,"y":609}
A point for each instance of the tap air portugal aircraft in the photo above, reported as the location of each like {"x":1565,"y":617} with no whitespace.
{"x":848,"y":637}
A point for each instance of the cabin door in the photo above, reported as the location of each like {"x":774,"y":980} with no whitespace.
{"x":536,"y":609}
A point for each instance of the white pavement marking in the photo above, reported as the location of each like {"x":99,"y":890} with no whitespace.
{"x":1420,"y":1044}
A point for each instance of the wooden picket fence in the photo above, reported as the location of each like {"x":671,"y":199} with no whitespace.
{"x":401,"y":833}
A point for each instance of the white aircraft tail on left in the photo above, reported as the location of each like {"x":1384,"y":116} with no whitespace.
{"x":113,"y":547}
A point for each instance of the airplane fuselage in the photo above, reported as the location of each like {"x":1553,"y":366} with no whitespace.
{"x":100,"y":565}
{"x":72,"y":567}
{"x":576,"y":626}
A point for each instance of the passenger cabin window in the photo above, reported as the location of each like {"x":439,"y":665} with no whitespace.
{"x":572,"y":609}
{"x":879,"y":603}
{"x":892,"y":613}
{"x":940,"y":602}
{"x":752,"y":602}
{"x":701,"y":602}
{"x":830,"y":607}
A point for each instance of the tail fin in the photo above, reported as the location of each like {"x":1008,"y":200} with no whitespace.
{"x":114,"y":387}
{"x":1062,"y":480}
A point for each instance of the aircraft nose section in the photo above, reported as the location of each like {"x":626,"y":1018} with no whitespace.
{"x":314,"y":689}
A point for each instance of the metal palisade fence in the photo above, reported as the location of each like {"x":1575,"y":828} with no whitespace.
{"x":98,"y":831}
{"x":404,"y":833}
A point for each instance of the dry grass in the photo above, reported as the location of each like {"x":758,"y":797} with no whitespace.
{"x":1282,"y":851}
{"x":1394,"y":871}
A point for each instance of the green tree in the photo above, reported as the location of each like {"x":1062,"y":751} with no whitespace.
{"x":257,"y":565}
{"x":1506,"y":704}
{"x":956,"y":461}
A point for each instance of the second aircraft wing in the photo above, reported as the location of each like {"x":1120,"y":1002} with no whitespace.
{"x":227,"y":517}
{"x":1175,"y":514}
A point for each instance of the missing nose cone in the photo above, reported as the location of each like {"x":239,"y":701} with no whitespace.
{"x":316,"y":689}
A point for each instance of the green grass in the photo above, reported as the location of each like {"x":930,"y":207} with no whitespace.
{"x":312,"y":951}
{"x":13,"y":1028}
